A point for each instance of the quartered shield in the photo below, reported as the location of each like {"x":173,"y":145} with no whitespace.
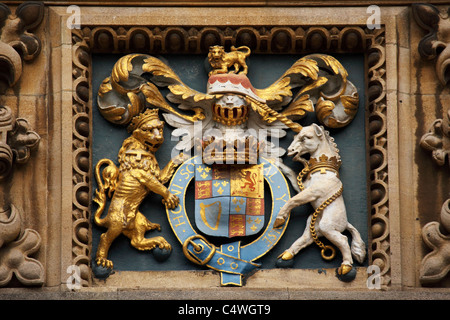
{"x":229,"y":199}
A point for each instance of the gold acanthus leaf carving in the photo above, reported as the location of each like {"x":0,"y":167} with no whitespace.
{"x":165,"y":76}
{"x":130,"y":92}
{"x":122,"y":68}
{"x":282,"y":87}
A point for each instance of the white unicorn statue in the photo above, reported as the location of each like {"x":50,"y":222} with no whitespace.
{"x":320,"y":185}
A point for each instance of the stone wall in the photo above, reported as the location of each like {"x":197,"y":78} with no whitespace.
{"x":49,"y":189}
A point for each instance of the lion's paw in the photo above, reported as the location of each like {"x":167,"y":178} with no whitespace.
{"x":103,"y":262}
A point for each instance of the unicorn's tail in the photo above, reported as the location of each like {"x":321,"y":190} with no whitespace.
{"x":358,"y":247}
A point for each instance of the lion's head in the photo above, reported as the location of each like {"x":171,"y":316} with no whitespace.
{"x":150,"y":133}
{"x":146,"y":138}
{"x":147,"y":128}
{"x":216,"y":55}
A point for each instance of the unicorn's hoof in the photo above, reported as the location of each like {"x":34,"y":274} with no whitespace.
{"x":346,"y":273}
{"x":285,"y":260}
{"x":278,"y":222}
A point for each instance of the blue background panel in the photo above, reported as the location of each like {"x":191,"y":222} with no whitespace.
{"x":263,"y":71}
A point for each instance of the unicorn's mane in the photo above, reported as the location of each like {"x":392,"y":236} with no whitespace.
{"x":331,"y":142}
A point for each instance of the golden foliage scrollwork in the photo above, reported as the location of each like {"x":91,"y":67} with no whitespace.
{"x":126,"y":92}
{"x":316,"y":74}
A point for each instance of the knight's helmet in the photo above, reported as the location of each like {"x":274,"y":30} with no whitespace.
{"x":231,"y":110}
{"x":231,"y":83}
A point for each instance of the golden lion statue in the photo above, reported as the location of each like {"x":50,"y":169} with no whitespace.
{"x":137,"y":175}
{"x":220,"y":60}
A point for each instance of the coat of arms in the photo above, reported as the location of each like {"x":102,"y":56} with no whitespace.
{"x":225,"y":149}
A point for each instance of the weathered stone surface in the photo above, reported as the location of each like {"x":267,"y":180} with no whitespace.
{"x":46,"y":96}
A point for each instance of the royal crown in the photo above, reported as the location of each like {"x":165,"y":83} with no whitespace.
{"x":324,"y":163}
{"x":137,"y":121}
{"x":240,"y":151}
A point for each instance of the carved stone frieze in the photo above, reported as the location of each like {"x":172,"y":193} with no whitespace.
{"x":289,"y":39}
{"x":16,"y":242}
{"x":17,"y":43}
{"x":436,"y":235}
{"x":379,"y":183}
{"x":436,"y":46}
{"x":17,"y":140}
{"x":16,"y":246}
{"x":437,"y":140}
{"x":436,"y":264}
{"x":81,"y":143}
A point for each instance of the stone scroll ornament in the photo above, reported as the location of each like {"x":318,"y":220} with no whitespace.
{"x":17,"y":140}
{"x":17,"y":42}
{"x":436,"y":46}
{"x":16,"y":243}
{"x":224,"y":144}
{"x":436,"y":235}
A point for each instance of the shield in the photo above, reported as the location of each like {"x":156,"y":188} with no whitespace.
{"x":229,"y":199}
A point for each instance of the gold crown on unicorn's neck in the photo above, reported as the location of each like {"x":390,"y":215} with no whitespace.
{"x":137,"y":121}
{"x":324,"y":163}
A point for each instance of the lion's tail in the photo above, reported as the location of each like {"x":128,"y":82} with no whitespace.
{"x":247,"y":50}
{"x":110,"y":175}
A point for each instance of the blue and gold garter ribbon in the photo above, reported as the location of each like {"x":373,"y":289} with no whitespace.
{"x":226,"y":260}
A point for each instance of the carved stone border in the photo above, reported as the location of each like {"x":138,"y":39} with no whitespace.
{"x":197,"y":40}
{"x":82,"y":163}
{"x":379,"y":248}
{"x":159,"y":40}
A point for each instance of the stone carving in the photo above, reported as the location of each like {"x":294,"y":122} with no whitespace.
{"x":436,"y":264}
{"x":16,"y":246}
{"x":379,"y":168}
{"x":436,"y":44}
{"x":437,"y":140}
{"x":323,"y":189}
{"x":196,"y":40}
{"x":262,"y":40}
{"x":17,"y":140}
{"x":231,"y":115}
{"x":16,"y":42}
{"x":16,"y":243}
{"x":81,"y":110}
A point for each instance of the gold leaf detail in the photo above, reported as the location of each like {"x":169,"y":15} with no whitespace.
{"x":166,"y":76}
{"x":112,"y":113}
{"x":276,"y":91}
{"x":105,"y":87}
{"x":299,"y":107}
{"x":350,"y":104}
{"x":123,"y":66}
{"x":282,"y":87}
{"x":324,"y":109}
